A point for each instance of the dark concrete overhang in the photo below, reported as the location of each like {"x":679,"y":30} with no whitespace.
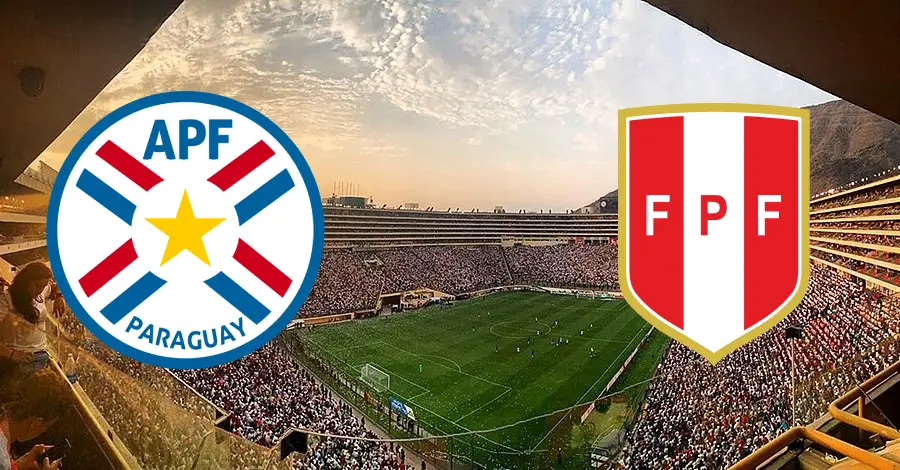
{"x":850,"y":49}
{"x":55,"y":57}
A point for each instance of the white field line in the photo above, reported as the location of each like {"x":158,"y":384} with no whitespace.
{"x":359,"y":367}
{"x":587,"y":391}
{"x":445,"y":366}
{"x":482,"y":406}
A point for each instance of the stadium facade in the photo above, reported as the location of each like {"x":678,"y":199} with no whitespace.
{"x":346,"y":227}
{"x":857,"y":232}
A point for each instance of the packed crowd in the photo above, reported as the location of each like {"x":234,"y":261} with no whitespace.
{"x":21,"y":258}
{"x":873,"y":253}
{"x":450,"y":269}
{"x":694,"y":416}
{"x":566,"y":265}
{"x":880,"y":240}
{"x":345,"y":283}
{"x":891,"y":209}
{"x":890,"y":190}
{"x":858,"y":225}
{"x":15,"y":232}
{"x":267,"y":393}
{"x":884,"y":174}
{"x":701,"y":416}
{"x":352,"y":280}
{"x":878,"y":272}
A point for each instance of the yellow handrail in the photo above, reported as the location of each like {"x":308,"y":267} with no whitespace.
{"x":115,"y":458}
{"x":764,"y":453}
{"x":835,"y":409}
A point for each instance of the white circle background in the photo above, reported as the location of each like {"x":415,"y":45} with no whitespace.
{"x":87,"y":233}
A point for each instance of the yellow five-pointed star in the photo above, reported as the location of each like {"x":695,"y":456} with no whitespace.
{"x":185,"y":231}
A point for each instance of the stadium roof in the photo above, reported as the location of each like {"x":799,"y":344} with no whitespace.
{"x":848,"y":49}
{"x":64,"y":53}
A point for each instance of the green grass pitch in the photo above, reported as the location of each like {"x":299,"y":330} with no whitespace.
{"x":470,"y":366}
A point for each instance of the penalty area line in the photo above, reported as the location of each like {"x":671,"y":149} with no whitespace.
{"x":482,"y":406}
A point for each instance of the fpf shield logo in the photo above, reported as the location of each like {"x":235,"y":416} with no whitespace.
{"x":713,"y":219}
{"x":185,"y":230}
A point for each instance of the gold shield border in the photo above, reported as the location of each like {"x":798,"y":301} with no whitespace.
{"x":773,"y":319}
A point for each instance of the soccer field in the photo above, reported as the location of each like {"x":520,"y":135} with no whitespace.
{"x":471,"y":366}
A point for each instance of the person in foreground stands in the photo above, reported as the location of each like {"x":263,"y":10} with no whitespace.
{"x":23,"y":314}
{"x":12,"y":430}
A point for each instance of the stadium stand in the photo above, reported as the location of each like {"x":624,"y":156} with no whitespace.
{"x":695,"y":415}
{"x":713,"y":415}
{"x":592,"y":266}
{"x":346,"y":226}
{"x":370,"y":252}
{"x":856,"y":231}
{"x":268,"y":393}
{"x":700,"y":416}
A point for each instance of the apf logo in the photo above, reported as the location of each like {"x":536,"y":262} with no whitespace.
{"x":713,"y":227}
{"x":185,"y":230}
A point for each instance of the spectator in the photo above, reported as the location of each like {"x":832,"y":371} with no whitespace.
{"x":700,"y":416}
{"x":22,"y":319}
{"x":268,"y":393}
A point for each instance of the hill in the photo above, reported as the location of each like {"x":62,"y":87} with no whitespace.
{"x":608,"y":204}
{"x":847,"y":143}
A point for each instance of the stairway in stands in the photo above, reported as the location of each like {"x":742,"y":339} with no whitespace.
{"x":506,"y":263}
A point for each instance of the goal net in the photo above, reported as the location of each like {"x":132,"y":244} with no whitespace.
{"x":375,"y":378}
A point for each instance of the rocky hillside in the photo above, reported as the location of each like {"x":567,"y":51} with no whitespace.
{"x":847,"y":143}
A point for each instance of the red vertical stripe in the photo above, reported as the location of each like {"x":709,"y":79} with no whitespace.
{"x":771,"y":166}
{"x":108,"y":268}
{"x":656,"y":263}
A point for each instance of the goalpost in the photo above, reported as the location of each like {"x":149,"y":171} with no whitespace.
{"x":375,"y":378}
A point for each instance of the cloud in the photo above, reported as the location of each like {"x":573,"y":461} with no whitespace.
{"x":491,"y":65}
{"x":226,"y":48}
{"x":584,"y":143}
{"x":460,"y":70}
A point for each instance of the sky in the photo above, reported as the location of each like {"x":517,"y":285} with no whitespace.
{"x":448,"y":103}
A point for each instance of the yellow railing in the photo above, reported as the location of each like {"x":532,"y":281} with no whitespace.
{"x":835,"y":409}
{"x":143,"y":417}
{"x":103,"y":439}
{"x":766,"y":452}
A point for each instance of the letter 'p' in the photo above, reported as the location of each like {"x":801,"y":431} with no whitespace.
{"x":706,"y":215}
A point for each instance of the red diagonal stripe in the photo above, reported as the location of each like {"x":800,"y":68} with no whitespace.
{"x":108,"y":268}
{"x":242,"y":165}
{"x":262,"y":268}
{"x":128,"y":166}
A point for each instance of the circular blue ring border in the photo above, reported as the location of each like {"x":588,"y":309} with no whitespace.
{"x":314,"y":199}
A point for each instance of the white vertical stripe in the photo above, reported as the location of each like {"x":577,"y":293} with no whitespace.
{"x":714,"y":264}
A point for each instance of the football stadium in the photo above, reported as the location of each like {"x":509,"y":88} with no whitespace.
{"x":461,"y":338}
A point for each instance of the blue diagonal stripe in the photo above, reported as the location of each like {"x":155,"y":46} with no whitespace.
{"x":263,"y":196}
{"x":128,"y":300}
{"x":106,"y":196}
{"x":238,"y":297}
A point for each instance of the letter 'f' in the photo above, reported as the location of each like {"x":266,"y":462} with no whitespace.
{"x":652,"y":213}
